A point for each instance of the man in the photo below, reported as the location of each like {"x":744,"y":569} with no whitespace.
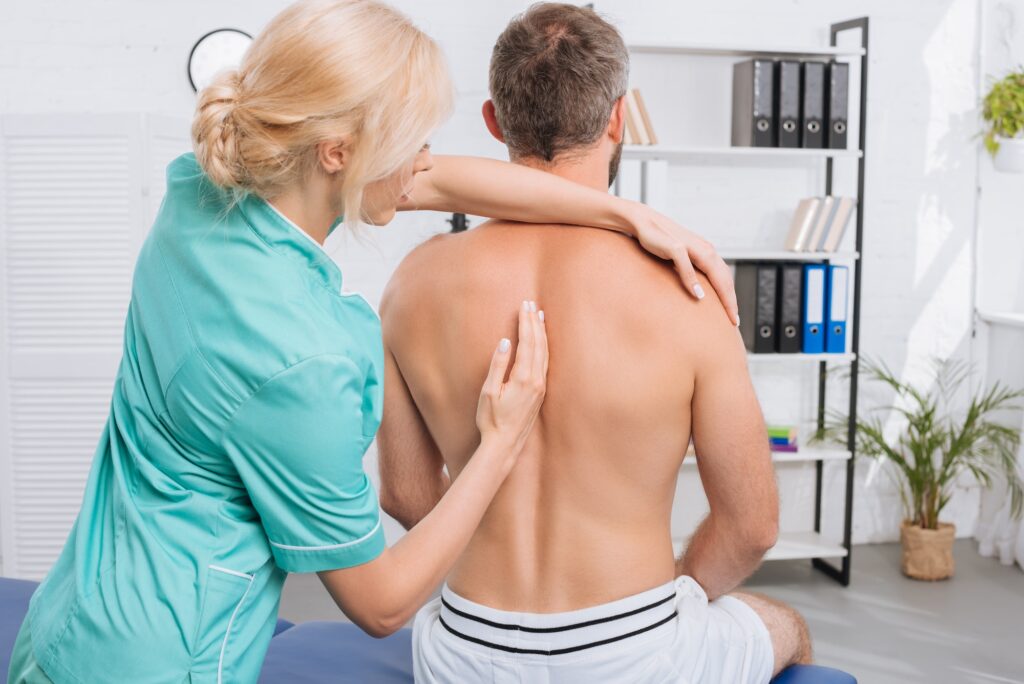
{"x":571,"y":575}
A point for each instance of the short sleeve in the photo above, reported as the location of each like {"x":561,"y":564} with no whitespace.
{"x":298,"y":444}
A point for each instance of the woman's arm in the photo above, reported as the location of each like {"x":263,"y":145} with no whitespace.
{"x":382,"y":595}
{"x":497,"y":189}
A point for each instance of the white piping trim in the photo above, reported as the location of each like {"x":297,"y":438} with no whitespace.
{"x":329,"y":547}
{"x":227,"y":634}
{"x":228,"y":571}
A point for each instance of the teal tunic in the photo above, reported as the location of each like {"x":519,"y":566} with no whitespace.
{"x":249,"y":390}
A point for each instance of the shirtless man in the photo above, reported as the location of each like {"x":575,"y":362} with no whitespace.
{"x":571,"y":574}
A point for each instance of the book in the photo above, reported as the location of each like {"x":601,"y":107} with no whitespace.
{"x":844,"y":209}
{"x":821,"y":224}
{"x":633,"y":115}
{"x":802,"y":224}
{"x":645,"y":116}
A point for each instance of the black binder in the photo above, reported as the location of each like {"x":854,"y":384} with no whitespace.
{"x":789,"y":328}
{"x":756,"y":286}
{"x":753,"y":92}
{"x":787,"y":103}
{"x":813,"y":109}
{"x":838,"y":103}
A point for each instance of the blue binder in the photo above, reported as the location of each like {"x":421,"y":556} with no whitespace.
{"x":835,"y":332}
{"x":814,"y":308}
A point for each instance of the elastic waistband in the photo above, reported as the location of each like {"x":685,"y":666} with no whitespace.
{"x":649,"y":613}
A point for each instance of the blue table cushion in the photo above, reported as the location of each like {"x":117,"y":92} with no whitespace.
{"x":337,"y":652}
{"x":282,"y":626}
{"x":14,"y":596}
{"x":813,"y":674}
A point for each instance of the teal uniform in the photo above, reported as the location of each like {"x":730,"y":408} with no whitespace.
{"x":250,"y":388}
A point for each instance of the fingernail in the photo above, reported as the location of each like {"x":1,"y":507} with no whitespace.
{"x":526,"y":305}
{"x":737,"y":320}
{"x":541,"y":314}
{"x":533,"y":306}
{"x":699,"y":291}
{"x":505,"y":344}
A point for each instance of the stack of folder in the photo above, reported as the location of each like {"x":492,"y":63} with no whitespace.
{"x":788,"y":103}
{"x":639,"y":130}
{"x":782,"y":438}
{"x":791,"y":308}
{"x":819,"y":224}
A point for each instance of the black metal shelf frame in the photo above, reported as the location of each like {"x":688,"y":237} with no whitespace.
{"x":842,"y":573}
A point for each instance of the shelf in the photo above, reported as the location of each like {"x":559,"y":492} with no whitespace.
{"x":807,"y":454}
{"x":1008,"y":318}
{"x":789,"y":358}
{"x":792,"y":546}
{"x":652,"y":152}
{"x":710,"y":49}
{"x":784,"y":255}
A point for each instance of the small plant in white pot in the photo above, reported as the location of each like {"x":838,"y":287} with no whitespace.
{"x":1003,"y":112}
{"x":939,"y":445}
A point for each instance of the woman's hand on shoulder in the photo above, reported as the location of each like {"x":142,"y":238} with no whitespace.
{"x":664,"y":238}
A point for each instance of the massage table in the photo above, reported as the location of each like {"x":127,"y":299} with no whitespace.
{"x":330,"y":652}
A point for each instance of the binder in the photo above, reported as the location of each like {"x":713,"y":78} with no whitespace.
{"x":821,"y":224}
{"x":814,"y":309}
{"x":756,"y":292}
{"x":835,"y":335}
{"x":838,"y":103}
{"x":753,"y":92}
{"x":802,"y":224}
{"x":787,"y":101}
{"x":790,"y":302}
{"x":841,"y":218}
{"x":812,"y":110}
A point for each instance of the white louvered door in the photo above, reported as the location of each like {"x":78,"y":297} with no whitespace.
{"x":76,"y":198}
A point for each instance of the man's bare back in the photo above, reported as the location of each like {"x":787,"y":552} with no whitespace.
{"x":584,"y":518}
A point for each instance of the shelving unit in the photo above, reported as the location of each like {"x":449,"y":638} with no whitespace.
{"x":800,"y":545}
{"x":655,"y":152}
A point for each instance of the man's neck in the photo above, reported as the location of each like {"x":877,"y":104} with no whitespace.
{"x":589,"y":168}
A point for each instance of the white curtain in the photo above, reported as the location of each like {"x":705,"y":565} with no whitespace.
{"x":999,"y":535}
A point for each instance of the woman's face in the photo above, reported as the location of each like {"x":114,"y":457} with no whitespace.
{"x":381,"y":198}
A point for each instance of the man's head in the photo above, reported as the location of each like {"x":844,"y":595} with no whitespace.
{"x":557,"y":78}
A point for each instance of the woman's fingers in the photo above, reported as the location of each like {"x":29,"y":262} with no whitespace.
{"x":542,"y":349}
{"x":499,"y":366}
{"x":684,"y":267}
{"x":718,"y":272}
{"x":525,"y":352}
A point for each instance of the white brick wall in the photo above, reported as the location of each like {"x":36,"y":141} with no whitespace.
{"x":129,"y":55}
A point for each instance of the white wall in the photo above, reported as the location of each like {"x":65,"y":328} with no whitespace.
{"x":128,"y":55}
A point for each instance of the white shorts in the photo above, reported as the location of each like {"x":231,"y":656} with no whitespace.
{"x":667,"y":634}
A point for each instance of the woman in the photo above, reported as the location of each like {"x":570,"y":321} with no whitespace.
{"x":250,"y":384}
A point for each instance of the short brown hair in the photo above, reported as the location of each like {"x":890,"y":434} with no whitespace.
{"x":556,"y":72}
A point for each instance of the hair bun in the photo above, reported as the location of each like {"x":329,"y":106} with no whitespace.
{"x":215,"y":135}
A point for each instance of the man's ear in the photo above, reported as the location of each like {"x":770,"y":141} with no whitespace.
{"x":617,"y":121}
{"x":332,"y":155}
{"x":491,"y":119}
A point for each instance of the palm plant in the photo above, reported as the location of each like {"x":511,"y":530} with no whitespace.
{"x":939,"y":444}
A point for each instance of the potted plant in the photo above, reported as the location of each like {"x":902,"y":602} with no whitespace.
{"x":938,"y":445}
{"x":1003,"y":112}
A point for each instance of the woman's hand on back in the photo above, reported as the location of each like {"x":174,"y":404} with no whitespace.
{"x":507,"y":410}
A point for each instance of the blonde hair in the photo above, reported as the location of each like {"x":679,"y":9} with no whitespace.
{"x":323,"y":70}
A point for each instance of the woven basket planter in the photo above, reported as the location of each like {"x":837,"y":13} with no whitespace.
{"x":927,"y":554}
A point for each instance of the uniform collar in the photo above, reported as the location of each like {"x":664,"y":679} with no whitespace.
{"x":284,"y":236}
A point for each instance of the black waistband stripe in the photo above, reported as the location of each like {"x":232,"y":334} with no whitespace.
{"x":564,"y":628}
{"x":556,"y":651}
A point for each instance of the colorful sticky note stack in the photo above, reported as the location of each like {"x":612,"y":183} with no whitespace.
{"x":782,"y":437}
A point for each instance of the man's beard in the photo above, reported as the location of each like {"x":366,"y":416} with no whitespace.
{"x":613,"y":164}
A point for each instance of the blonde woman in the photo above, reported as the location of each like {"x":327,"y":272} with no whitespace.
{"x":251,"y":382}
